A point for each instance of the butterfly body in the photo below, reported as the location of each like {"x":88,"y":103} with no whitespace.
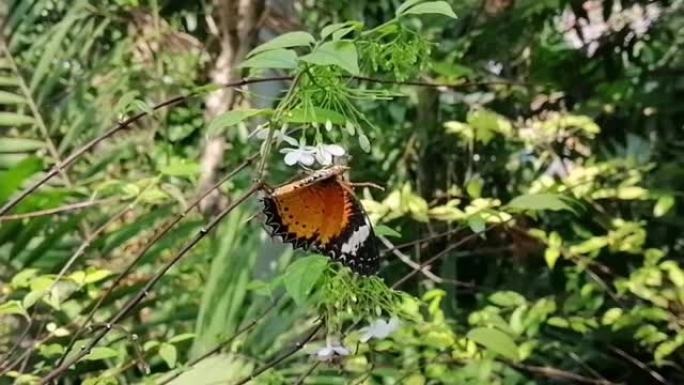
{"x":321,"y":213}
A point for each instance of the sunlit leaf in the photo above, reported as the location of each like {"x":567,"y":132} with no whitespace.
{"x":13,"y":307}
{"x":12,"y":119}
{"x":429,"y":7}
{"x":10,"y":98}
{"x":386,"y":231}
{"x":277,"y":58}
{"x":496,"y":341}
{"x":169,"y":354}
{"x":539,"y":202}
{"x":100,"y":353}
{"x":663,"y":205}
{"x":286,"y":40}
{"x":340,"y":53}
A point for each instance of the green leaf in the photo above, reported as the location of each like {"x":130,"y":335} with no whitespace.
{"x":277,"y":58}
{"x":13,"y":178}
{"x":181,"y":337}
{"x":507,"y":299}
{"x":302,"y":275}
{"x":20,"y":144}
{"x":495,"y":341}
{"x":611,"y":315}
{"x":10,"y":98}
{"x":536,"y":202}
{"x":13,"y":307}
{"x":314,"y":115}
{"x":666,"y":348}
{"x":231,"y":118}
{"x":663,"y":205}
{"x":50,"y":350}
{"x":406,"y":5}
{"x":551,"y":255}
{"x":387,"y":231}
{"x":339,"y":30}
{"x":339,"y":53}
{"x":286,"y":40}
{"x":12,"y":119}
{"x":101,"y":353}
{"x":430,"y":7}
{"x":169,"y":354}
{"x":364,"y":142}
{"x":8,"y":81}
{"x":180,"y":167}
{"x":477,"y":224}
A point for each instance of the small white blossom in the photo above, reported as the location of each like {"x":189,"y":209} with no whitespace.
{"x":303,"y":155}
{"x":307,"y":155}
{"x":379,"y":329}
{"x":261,"y":133}
{"x":331,"y":351}
{"x":325,"y":152}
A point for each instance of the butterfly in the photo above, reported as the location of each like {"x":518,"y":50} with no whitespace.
{"x":321,"y":213}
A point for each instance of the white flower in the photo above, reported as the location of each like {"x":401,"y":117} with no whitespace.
{"x":379,"y":329}
{"x":303,"y":155}
{"x":331,"y":351}
{"x":325,"y":152}
{"x":307,"y":155}
{"x":261,"y":133}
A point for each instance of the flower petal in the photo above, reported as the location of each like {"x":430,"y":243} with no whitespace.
{"x":291,"y":157}
{"x":305,"y":158}
{"x":290,"y":140}
{"x":335,"y":149}
{"x":323,"y":157}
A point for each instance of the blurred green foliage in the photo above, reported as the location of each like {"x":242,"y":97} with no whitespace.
{"x":530,"y":151}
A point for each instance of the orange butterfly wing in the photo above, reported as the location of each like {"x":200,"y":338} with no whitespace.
{"x":323,"y":215}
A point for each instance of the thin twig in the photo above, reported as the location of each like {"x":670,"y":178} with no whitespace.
{"x":559,"y":374}
{"x":423,"y":240}
{"x":145,"y":291}
{"x":220,"y":346}
{"x":58,"y":210}
{"x":408,"y":261}
{"x":442,"y":253}
{"x":657,"y":376}
{"x":306,"y":374}
{"x":297,"y":347}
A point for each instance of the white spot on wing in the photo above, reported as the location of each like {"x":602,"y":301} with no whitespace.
{"x":357,"y":238}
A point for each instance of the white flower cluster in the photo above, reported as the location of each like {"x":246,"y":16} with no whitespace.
{"x":302,"y":154}
{"x":378,"y":329}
